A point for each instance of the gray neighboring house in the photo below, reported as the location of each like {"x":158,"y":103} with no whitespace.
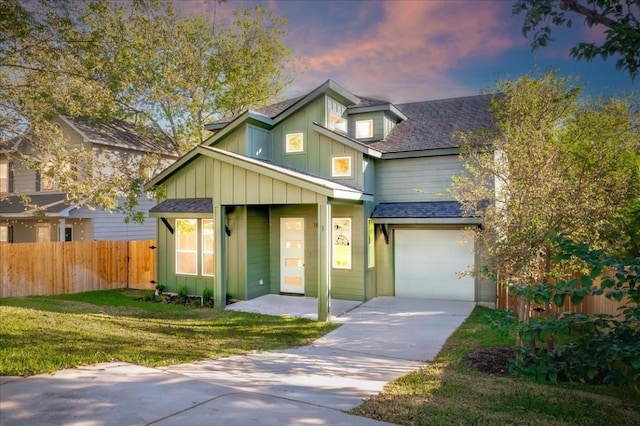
{"x":47,"y":216}
{"x":330,"y":190}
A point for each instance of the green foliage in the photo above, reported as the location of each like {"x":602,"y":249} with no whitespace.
{"x":207,"y":294}
{"x":553,"y":161}
{"x":597,"y":348}
{"x":160,"y":288}
{"x":621,"y":20}
{"x":168,"y":73}
{"x":182,"y":292}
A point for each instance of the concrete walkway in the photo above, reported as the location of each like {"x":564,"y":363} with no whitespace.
{"x":379,"y":340}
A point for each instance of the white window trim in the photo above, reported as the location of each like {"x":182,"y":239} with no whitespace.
{"x":335,"y":173}
{"x":334,"y":237}
{"x":286,"y":143}
{"x":177,"y":250}
{"x":369,"y":133}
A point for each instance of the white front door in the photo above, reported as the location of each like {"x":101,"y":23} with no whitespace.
{"x":292,"y":255}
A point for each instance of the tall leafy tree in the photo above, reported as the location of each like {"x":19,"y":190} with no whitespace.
{"x":553,"y":163}
{"x":620,"y":20}
{"x":169,"y":73}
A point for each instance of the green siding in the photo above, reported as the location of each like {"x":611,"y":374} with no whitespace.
{"x":258,"y":257}
{"x":258,"y":143}
{"x":237,"y":253}
{"x":378,"y":124}
{"x":235,"y":141}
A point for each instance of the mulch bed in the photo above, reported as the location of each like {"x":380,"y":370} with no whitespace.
{"x":490,"y":360}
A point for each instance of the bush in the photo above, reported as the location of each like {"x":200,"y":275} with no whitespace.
{"x":182,"y":292}
{"x":207,"y":294}
{"x":597,"y":348}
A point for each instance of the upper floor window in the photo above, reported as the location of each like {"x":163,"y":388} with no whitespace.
{"x":337,"y":121}
{"x":341,"y":166}
{"x":47,"y":183}
{"x":294,"y":142}
{"x":5,"y":177}
{"x":364,"y":129}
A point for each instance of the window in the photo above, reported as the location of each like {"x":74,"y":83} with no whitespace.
{"x":341,"y":166}
{"x":337,"y":122}
{"x":364,"y":129}
{"x":341,"y":238}
{"x":4,"y":234}
{"x":47,"y":183}
{"x":43,"y":233}
{"x":187,"y":246}
{"x":208,"y":248}
{"x":294,"y":142}
{"x":5,"y":177}
{"x":372,"y":244}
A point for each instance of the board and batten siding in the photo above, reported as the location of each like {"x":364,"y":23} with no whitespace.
{"x":236,"y":141}
{"x":258,"y":143}
{"x":236,"y":249}
{"x":258,"y":257}
{"x":416,"y":179}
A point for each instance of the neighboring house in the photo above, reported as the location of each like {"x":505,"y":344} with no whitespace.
{"x":329,"y":190}
{"x":46,"y":216}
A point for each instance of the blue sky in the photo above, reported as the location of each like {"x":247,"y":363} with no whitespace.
{"x":415,"y":50}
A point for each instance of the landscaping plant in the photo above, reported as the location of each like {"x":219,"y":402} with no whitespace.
{"x":596,"y":348}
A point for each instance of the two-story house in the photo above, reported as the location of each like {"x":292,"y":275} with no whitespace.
{"x":33,"y":209}
{"x":326,"y":191}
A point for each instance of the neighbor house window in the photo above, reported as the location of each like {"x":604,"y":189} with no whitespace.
{"x":341,"y":166}
{"x":294,"y":142}
{"x":43,"y":233}
{"x":5,"y":170}
{"x":187,"y":246}
{"x":364,"y":129}
{"x":4,"y":234}
{"x":372,"y":244}
{"x":208,"y":258}
{"x":341,"y":238}
{"x":45,"y":183}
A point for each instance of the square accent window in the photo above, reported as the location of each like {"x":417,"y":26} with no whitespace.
{"x":364,"y":129}
{"x":294,"y":142}
{"x":341,"y":241}
{"x":341,"y":166}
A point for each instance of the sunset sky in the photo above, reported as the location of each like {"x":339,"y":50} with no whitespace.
{"x":415,"y":50}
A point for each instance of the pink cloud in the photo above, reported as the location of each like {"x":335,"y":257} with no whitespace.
{"x":414,"y":41}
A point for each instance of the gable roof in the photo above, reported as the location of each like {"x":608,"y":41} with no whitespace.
{"x":305,"y":180}
{"x":50,"y":204}
{"x":121,"y":134}
{"x":432,"y":124}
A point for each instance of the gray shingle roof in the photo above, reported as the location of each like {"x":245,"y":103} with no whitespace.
{"x":122,"y":134}
{"x":184,"y":205}
{"x":427,"y":209}
{"x":432,"y":124}
{"x":48,"y":203}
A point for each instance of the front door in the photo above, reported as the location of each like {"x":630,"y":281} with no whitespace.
{"x":292,"y":255}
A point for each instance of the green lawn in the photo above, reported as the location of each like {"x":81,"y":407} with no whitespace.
{"x":48,"y":333}
{"x":448,"y":393}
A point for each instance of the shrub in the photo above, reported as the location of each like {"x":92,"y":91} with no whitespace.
{"x":182,"y":292}
{"x":207,"y":294}
{"x":596,"y":348}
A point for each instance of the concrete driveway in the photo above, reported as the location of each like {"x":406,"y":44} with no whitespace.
{"x":379,"y":341}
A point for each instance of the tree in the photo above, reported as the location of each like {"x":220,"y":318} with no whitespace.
{"x":553,"y":164}
{"x":139,"y":61}
{"x":621,"y":18}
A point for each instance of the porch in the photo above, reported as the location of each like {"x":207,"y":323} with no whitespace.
{"x":293,"y":306}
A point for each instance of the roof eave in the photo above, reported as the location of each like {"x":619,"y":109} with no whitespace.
{"x":426,"y":220}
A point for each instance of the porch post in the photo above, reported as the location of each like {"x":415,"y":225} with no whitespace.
{"x":324,"y":262}
{"x":220,"y":282}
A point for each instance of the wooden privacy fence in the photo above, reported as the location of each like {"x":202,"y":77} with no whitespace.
{"x":590,"y":304}
{"x":33,"y":269}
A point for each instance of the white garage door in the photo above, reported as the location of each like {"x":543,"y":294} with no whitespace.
{"x":427,"y":263}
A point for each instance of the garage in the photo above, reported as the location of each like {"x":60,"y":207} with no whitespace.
{"x":427,"y":262}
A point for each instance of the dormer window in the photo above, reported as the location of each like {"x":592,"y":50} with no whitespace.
{"x":337,"y":122}
{"x":294,"y":142}
{"x":364,"y":129}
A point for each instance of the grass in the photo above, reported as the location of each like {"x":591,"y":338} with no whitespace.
{"x":48,"y":333}
{"x":449,"y":393}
